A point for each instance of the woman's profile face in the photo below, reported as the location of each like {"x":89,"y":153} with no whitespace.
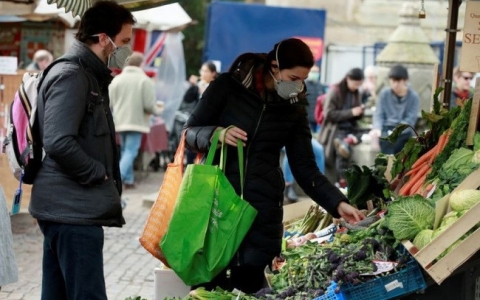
{"x":206,"y":75}
{"x":294,"y":74}
{"x":354,"y":85}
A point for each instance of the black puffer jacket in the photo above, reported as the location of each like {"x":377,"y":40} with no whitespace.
{"x":271,"y":124}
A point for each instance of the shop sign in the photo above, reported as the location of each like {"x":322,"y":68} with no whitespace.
{"x":470,"y":56}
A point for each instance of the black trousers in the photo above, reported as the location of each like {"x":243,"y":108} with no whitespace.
{"x":72,"y":262}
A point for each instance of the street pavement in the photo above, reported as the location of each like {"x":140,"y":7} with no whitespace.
{"x":128,"y":266}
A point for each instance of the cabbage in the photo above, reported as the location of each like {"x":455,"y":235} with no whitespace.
{"x":449,"y":219}
{"x":407,"y":216}
{"x":464,"y":199}
{"x":423,"y":238}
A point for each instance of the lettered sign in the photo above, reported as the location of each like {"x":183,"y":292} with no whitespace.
{"x":470,"y":53}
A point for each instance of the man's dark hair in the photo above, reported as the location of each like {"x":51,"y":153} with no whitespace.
{"x":103,"y":17}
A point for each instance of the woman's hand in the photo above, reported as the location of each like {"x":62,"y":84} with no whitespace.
{"x":231,"y":134}
{"x":349,"y":213}
{"x":357,"y":111}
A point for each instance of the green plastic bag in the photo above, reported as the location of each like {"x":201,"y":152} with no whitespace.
{"x":209,"y":220}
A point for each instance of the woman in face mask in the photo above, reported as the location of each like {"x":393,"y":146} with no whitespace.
{"x":261,"y":101}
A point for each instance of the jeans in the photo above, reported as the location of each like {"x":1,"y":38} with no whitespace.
{"x":130,"y":143}
{"x":72,"y":262}
{"x":319,"y":159}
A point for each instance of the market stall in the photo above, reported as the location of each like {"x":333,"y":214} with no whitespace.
{"x":420,"y":237}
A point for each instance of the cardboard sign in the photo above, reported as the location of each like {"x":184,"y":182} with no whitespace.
{"x":8,"y":65}
{"x":470,"y":56}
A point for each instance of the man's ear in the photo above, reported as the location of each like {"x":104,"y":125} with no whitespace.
{"x":103,"y":40}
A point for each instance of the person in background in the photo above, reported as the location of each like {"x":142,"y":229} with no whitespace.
{"x":397,"y":104}
{"x":314,"y":89}
{"x":461,"y":89}
{"x":290,"y":192}
{"x":342,"y":109}
{"x":133,"y":101}
{"x":208,"y":72}
{"x":78,"y":187}
{"x":41,"y":60}
{"x":261,"y":100}
{"x":368,"y":88}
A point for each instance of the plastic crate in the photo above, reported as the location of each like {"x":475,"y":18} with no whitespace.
{"x":330,"y":293}
{"x":406,"y":281}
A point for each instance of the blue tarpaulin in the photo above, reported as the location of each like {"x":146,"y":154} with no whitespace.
{"x":234,"y":28}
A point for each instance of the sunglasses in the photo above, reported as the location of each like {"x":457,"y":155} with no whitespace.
{"x":467,"y":78}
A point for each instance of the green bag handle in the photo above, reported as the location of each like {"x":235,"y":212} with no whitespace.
{"x":223,"y":155}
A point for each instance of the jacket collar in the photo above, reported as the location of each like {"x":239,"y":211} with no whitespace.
{"x":90,"y":61}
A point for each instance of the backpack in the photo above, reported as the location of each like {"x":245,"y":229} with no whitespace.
{"x":23,"y":144}
{"x":319,"y":106}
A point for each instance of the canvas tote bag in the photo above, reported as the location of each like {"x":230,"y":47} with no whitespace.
{"x":209,"y":221}
{"x":162,"y":209}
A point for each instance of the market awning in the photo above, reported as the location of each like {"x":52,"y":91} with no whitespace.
{"x":78,"y":7}
{"x":45,"y":11}
{"x":165,"y":17}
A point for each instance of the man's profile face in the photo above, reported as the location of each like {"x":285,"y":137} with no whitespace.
{"x":462,"y":81}
{"x":124,"y":37}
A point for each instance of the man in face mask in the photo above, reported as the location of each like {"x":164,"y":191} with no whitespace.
{"x":78,"y":188}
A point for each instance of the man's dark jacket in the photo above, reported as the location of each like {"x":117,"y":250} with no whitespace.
{"x":79,"y":181}
{"x":234,"y":98}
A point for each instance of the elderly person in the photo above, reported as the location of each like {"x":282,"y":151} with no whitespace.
{"x":41,"y":59}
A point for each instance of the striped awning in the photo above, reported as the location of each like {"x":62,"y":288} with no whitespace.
{"x":78,"y":7}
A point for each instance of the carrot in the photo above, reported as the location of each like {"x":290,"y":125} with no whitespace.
{"x":413,"y":170}
{"x":418,"y":184}
{"x":424,"y":158}
{"x":405,"y":190}
{"x":427,"y":190}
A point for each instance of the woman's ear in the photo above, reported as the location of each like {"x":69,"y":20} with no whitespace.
{"x":274,"y":66}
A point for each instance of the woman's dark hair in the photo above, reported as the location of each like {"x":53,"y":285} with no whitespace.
{"x":354,"y":74}
{"x":290,"y":53}
{"x":103,"y":17}
{"x":211,"y":66}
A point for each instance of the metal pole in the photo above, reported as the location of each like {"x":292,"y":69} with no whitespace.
{"x":450,"y":51}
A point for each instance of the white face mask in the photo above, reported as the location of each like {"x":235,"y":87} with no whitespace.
{"x":286,"y":89}
{"x":118,"y":56}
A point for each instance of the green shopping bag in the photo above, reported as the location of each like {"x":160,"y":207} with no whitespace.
{"x":209,"y":220}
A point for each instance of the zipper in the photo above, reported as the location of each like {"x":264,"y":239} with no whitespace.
{"x":253,"y":137}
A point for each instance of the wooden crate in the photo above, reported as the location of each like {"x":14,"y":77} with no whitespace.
{"x":427,"y":257}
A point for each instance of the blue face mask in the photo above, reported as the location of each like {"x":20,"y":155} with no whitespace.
{"x":286,"y":89}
